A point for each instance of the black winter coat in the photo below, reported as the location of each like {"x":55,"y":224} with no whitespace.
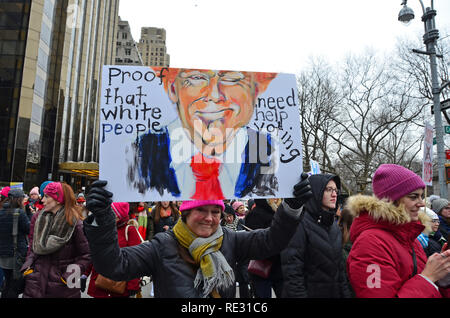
{"x":313,"y":264}
{"x":161,"y":257}
{"x":6,"y":239}
{"x":261,"y":217}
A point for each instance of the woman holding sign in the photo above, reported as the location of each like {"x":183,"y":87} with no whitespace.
{"x":195,"y":258}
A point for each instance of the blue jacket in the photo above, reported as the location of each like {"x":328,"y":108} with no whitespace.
{"x":6,"y":239}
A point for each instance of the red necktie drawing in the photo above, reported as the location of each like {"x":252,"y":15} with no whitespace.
{"x":206,"y":173}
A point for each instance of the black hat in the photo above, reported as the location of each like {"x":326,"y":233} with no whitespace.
{"x":16,"y":193}
{"x":229,"y":210}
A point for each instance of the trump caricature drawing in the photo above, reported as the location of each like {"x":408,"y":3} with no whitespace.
{"x":207,"y":152}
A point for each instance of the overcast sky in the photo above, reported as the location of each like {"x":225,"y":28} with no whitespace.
{"x":275,"y":35}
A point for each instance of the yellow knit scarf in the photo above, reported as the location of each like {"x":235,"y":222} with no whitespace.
{"x":214,"y":271}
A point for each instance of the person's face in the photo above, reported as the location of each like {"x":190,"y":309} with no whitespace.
{"x":203,"y":221}
{"x":435,"y":225}
{"x":229,"y":218}
{"x":413,"y":202}
{"x":34,"y":196}
{"x":212,"y":105}
{"x":241,"y":210}
{"x":445,"y":212}
{"x":165,"y":204}
{"x":50,"y":204}
{"x":330,"y":195}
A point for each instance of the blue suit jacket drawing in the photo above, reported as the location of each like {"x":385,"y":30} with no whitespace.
{"x":151,"y":167}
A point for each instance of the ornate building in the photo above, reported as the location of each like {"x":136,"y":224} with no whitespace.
{"x":51,"y":55}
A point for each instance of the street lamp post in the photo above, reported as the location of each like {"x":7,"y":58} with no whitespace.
{"x":430,"y":37}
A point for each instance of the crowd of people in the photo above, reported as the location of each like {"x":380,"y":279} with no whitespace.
{"x":317,"y":244}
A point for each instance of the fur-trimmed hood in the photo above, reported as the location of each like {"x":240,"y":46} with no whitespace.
{"x":371,"y":212}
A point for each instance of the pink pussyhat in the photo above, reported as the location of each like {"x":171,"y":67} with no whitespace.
{"x":121,"y":209}
{"x":55,"y":191}
{"x":5,"y":191}
{"x":188,"y":205}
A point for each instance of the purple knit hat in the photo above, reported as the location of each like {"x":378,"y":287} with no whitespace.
{"x":187,"y":205}
{"x":393,"y":182}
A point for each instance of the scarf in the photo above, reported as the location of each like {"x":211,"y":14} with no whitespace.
{"x":142,"y":221}
{"x":214,"y":271}
{"x":165,"y":212}
{"x":51,"y":232}
{"x":423,"y":239}
{"x":233,"y":226}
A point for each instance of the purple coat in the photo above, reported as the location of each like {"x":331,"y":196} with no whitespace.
{"x":45,"y":281}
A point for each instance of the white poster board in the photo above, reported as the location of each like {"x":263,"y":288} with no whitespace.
{"x":154,"y":121}
{"x":427,"y":161}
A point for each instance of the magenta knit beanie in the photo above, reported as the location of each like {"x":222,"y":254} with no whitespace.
{"x":5,"y":191}
{"x":188,"y":205}
{"x":121,"y":209}
{"x":393,"y":182}
{"x":55,"y":190}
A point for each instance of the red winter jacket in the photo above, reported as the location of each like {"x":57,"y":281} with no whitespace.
{"x":380,"y":263}
{"x":133,"y":239}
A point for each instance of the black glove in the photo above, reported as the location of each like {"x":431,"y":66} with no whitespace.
{"x":302,"y":193}
{"x":98,"y":199}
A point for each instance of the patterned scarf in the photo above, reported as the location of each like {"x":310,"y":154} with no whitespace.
{"x":215,"y":273}
{"x":51,"y":232}
{"x":233,"y":226}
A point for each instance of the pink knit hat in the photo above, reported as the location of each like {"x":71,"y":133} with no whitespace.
{"x":5,"y":191}
{"x":187,"y":205}
{"x":121,"y":209}
{"x":35,"y":190}
{"x":55,"y":191}
{"x":236,"y":205}
{"x":393,"y":182}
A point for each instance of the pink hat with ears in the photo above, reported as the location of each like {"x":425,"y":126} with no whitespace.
{"x":188,"y":205}
{"x":55,"y":191}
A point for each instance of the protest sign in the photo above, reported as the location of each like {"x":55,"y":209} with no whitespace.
{"x":179,"y":134}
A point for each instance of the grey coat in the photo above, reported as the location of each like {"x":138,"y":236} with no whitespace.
{"x":162,"y":257}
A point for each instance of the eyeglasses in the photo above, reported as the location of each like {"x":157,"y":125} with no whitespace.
{"x":331,"y":190}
